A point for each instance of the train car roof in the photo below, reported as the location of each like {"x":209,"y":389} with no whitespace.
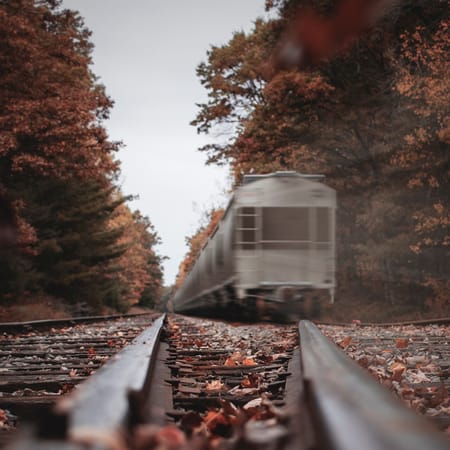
{"x":286,"y":174}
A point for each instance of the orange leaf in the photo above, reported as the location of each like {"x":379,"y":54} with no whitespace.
{"x":214,"y":418}
{"x":215,"y":385}
{"x":248,"y":362}
{"x":345,"y":342}
{"x":397,"y":369}
{"x":401,"y":343}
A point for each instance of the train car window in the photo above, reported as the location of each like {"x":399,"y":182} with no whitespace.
{"x":322,"y":224}
{"x":219,"y":250}
{"x":285,"y":224}
{"x":246,"y":228}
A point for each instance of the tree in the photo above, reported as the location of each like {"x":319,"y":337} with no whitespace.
{"x":196,"y":242}
{"x":140,"y":265}
{"x":50,"y":104}
{"x":58,"y":229}
{"x":369,"y":111}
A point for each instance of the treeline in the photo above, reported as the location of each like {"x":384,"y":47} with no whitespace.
{"x":66,"y":231}
{"x":196,"y":241}
{"x":366,"y":104}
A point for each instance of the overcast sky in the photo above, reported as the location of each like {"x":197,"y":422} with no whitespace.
{"x":146,"y":52}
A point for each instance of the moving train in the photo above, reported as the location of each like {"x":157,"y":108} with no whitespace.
{"x":272,"y":253}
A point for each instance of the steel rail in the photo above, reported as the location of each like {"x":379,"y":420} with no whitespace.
{"x":15,"y":326}
{"x":102,"y":403}
{"x":351,"y":410}
{"x":99,"y":410}
{"x":436,"y":321}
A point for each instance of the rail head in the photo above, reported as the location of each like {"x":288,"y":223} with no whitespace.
{"x":102,"y":403}
{"x":352,"y":410}
{"x":13,"y":327}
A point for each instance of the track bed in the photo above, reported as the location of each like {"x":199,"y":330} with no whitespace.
{"x":192,"y":384}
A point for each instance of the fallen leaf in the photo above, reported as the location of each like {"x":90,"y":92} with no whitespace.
{"x":190,"y":421}
{"x":236,"y":356}
{"x":440,"y":396}
{"x":213,"y":418}
{"x":418,"y":377}
{"x":253,"y":403}
{"x":401,"y":342}
{"x":215,"y":385}
{"x":251,"y":381}
{"x":248,"y":362}
{"x":230,"y":362}
{"x":171,"y":437}
{"x":397,"y":369}
{"x":344,"y":343}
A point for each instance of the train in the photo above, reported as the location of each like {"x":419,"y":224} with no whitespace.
{"x":271,"y":254}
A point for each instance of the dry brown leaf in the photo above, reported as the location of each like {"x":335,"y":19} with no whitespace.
{"x":215,"y":385}
{"x":398,"y":369}
{"x":171,"y":437}
{"x":418,"y":377}
{"x":401,"y":343}
{"x":230,"y":362}
{"x":190,"y":421}
{"x":440,"y":396}
{"x":236,"y":356}
{"x":213,"y":418}
{"x":248,"y":362}
{"x":344,"y":343}
{"x":252,"y":380}
{"x":253,"y":403}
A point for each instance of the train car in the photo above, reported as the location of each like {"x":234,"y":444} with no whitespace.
{"x":274,"y":249}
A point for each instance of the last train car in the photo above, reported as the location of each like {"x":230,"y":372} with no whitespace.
{"x":273,"y":248}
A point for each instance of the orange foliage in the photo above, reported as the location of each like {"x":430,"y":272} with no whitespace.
{"x":311,"y":38}
{"x":196,"y":242}
{"x":424,"y":79}
{"x":139,"y":239}
{"x":51,"y":108}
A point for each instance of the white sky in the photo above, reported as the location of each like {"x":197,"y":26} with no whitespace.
{"x":146,"y":53}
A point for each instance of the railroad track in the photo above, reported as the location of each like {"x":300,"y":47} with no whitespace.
{"x":188,"y":383}
{"x":43,"y":360}
{"x":411,"y":359}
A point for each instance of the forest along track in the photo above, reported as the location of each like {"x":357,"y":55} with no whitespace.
{"x":413,"y":361}
{"x":40,"y":362}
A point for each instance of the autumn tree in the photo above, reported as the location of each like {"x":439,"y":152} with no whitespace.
{"x":140,"y":265}
{"x":352,"y":109}
{"x":58,"y":169}
{"x":423,"y":81}
{"x":51,"y":105}
{"x":196,"y":242}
